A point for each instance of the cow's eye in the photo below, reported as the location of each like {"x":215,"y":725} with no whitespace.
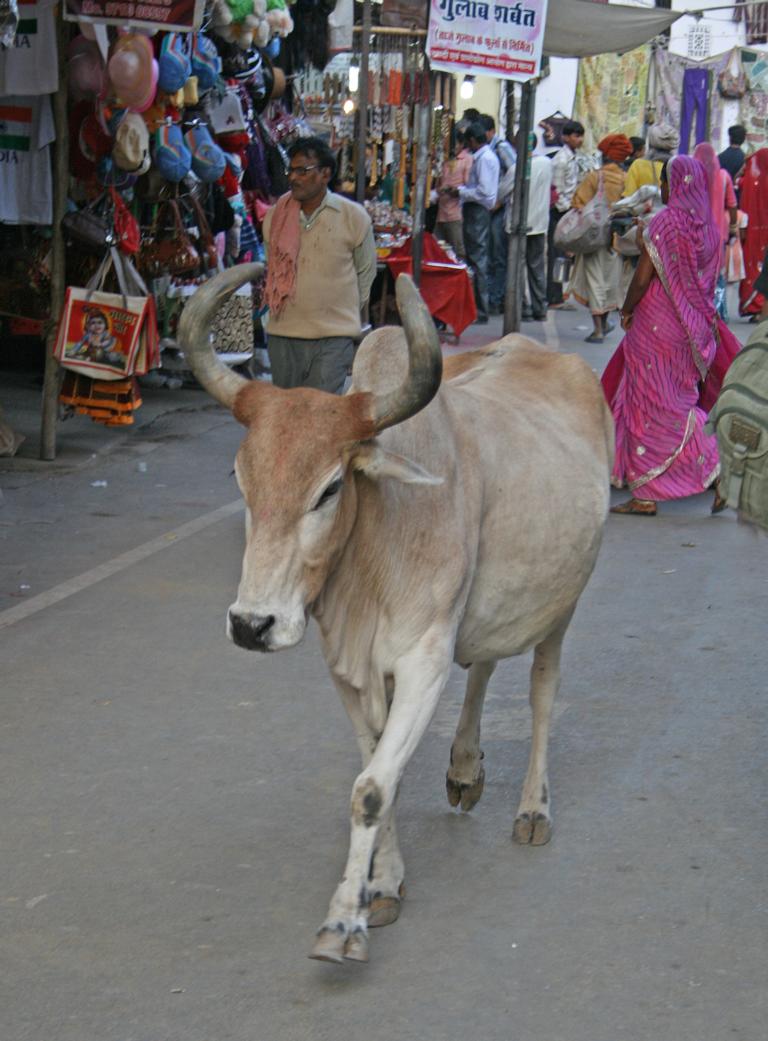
{"x":332,"y":489}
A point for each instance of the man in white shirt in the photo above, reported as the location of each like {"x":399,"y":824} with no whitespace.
{"x":565,"y":181}
{"x":478,"y":198}
{"x":539,"y":188}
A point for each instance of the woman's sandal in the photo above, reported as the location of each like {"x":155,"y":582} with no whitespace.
{"x":720,"y":503}
{"x":636,"y":507}
{"x":593,"y":338}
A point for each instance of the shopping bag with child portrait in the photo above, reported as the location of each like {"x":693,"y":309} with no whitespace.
{"x":99,"y":332}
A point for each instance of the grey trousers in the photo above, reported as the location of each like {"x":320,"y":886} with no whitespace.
{"x":535,"y":254}
{"x":477,"y":228}
{"x":451,"y":231}
{"x":497,"y":260}
{"x":323,"y":364}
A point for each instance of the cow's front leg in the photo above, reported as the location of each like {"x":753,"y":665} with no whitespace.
{"x":420,"y":676}
{"x":533,"y":823}
{"x":387,"y":871}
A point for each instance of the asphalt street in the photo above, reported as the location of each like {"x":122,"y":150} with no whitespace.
{"x":175,"y":810}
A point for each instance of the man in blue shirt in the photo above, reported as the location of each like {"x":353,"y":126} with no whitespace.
{"x":478,"y":199}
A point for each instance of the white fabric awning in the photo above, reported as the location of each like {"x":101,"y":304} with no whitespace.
{"x":580,"y":28}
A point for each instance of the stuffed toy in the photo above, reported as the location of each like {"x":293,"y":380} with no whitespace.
{"x":279,"y":19}
{"x":242,"y":22}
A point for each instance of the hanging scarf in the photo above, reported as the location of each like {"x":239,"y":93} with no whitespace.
{"x":284,"y":245}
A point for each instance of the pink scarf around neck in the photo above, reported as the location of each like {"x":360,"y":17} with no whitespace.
{"x":284,"y":245}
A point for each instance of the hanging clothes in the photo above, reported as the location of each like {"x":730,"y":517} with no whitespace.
{"x":694,"y":105}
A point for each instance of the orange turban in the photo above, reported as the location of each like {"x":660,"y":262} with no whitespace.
{"x":616,"y":147}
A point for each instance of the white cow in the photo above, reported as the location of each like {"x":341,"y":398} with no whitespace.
{"x":420,"y":524}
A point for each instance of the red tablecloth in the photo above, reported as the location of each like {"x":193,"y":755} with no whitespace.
{"x":446,"y":287}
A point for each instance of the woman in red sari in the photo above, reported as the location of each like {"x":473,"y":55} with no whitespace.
{"x":754,"y":202}
{"x":672,"y":338}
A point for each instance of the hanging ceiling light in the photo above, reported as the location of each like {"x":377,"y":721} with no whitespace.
{"x":348,"y":107}
{"x":354,"y":78}
{"x":467,"y":87}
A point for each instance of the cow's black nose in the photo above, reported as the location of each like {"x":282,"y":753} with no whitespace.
{"x":250,"y":630}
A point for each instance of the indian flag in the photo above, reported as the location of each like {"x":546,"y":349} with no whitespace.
{"x":15,"y":127}
{"x":27,"y":21}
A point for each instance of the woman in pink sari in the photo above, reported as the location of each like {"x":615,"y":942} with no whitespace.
{"x":669,"y":316}
{"x":722,"y":199}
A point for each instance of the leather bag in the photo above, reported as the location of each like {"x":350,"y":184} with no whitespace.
{"x":90,"y":227}
{"x":169,"y":249}
{"x":206,"y":244}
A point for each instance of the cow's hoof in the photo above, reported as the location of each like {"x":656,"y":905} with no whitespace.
{"x":385,"y":910}
{"x":329,"y":946}
{"x":532,"y":829}
{"x":356,"y":947}
{"x":466,"y":795}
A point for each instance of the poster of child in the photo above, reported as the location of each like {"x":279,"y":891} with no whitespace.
{"x":97,"y":343}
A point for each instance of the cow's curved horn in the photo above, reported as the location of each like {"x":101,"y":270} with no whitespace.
{"x":425,"y":361}
{"x":195,"y":326}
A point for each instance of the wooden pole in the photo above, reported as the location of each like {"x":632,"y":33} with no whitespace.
{"x":52,"y":375}
{"x":362,"y":103}
{"x":513,"y":298}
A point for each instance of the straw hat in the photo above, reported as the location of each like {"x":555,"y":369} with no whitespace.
{"x":133,"y":71}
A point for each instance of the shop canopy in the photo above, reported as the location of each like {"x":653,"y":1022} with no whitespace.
{"x":581,"y":28}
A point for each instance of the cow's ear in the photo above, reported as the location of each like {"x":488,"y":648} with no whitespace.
{"x":372,"y":460}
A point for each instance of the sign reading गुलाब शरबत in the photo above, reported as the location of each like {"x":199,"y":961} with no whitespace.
{"x":487,"y":39}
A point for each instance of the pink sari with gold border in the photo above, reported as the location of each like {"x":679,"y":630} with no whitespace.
{"x":662,"y":451}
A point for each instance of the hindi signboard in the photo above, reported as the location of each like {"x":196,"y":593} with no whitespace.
{"x":178,"y":15}
{"x":501,"y":38}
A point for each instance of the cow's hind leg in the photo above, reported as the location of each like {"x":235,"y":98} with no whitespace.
{"x":466,"y":777}
{"x":419,"y":676}
{"x":533,"y":823}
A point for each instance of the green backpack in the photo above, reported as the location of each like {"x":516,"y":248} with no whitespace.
{"x":740,"y":420}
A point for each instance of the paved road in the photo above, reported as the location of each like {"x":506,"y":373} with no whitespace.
{"x":174,"y":809}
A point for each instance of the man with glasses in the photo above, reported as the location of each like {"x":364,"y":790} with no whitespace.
{"x":321,"y":263}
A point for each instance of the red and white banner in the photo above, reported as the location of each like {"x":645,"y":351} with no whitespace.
{"x":178,"y":15}
{"x":475,"y":38}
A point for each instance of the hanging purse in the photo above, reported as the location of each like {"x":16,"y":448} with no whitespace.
{"x":90,"y":227}
{"x":174,"y":255}
{"x":206,"y":244}
{"x":732,"y":81}
{"x":127,"y":232}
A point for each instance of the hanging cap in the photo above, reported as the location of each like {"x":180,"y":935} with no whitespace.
{"x":131,"y":151}
{"x":133,"y":71}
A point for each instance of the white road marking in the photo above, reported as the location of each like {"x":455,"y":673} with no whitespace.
{"x":125,"y":560}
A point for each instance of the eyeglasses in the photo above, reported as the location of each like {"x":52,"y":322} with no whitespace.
{"x":302,"y":171}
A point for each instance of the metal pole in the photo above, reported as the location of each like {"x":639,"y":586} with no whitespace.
{"x":510,"y":120}
{"x":513,"y":298}
{"x":52,"y":375}
{"x":423,"y":128}
{"x":362,"y":104}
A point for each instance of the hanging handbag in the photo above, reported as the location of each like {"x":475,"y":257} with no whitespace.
{"x":206,"y":244}
{"x":127,"y":232}
{"x":732,"y":81}
{"x":232,"y":325}
{"x":588,"y":229}
{"x":99,"y":333}
{"x":90,"y":227}
{"x":174,"y":255}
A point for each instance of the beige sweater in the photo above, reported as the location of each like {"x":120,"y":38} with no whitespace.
{"x":334,"y":274}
